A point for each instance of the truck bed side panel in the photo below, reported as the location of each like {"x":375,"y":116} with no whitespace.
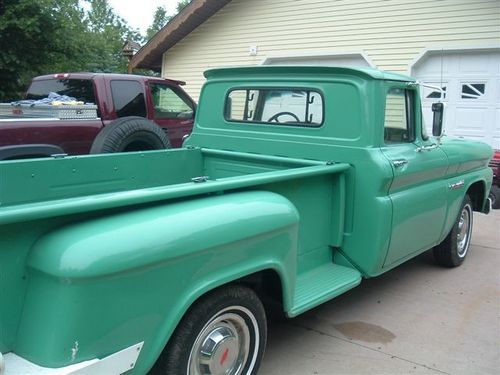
{"x":51,"y":131}
{"x":154,"y":262}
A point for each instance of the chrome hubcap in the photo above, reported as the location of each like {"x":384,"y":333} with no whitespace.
{"x":223,"y":345}
{"x":464,"y":229}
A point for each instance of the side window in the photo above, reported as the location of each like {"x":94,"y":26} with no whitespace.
{"x":296,"y":107}
{"x":128,"y":98}
{"x":170,"y":103}
{"x":398,"y":124}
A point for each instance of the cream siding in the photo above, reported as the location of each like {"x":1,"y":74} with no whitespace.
{"x":391,"y":33}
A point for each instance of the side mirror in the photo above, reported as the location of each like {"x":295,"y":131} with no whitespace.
{"x":437,"y":122}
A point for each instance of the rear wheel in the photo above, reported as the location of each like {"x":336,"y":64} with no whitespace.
{"x":453,"y":250}
{"x":224,"y":333}
{"x":130,"y":134}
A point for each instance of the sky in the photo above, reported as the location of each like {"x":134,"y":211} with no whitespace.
{"x":139,"y":13}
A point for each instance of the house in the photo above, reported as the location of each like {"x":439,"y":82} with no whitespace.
{"x":453,"y":44}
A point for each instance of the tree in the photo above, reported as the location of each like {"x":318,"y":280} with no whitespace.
{"x":49,"y":36}
{"x":160,"y":19}
{"x":106,"y":34}
{"x":31,"y":42}
{"x":181,"y":4}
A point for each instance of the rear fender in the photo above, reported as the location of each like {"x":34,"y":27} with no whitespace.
{"x":130,"y":277}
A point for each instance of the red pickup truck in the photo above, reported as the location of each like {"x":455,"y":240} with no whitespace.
{"x":495,"y":186}
{"x":131,"y":113}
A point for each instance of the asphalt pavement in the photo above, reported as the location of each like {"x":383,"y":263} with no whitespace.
{"x":416,"y":319}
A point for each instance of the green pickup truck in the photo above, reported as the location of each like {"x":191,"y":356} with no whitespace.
{"x":296,"y":184}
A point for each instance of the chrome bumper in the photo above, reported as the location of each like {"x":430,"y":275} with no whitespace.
{"x":487,"y":206}
{"x":117,"y":363}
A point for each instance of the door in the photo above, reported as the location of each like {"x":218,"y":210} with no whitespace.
{"x":418,"y":190}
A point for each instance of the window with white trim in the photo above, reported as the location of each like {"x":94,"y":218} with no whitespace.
{"x":474,"y":90}
{"x":433,"y":94}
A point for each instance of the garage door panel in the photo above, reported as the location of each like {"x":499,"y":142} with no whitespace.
{"x":472,"y":63}
{"x":472,"y":92}
{"x":496,"y":130}
{"x":470,"y":120}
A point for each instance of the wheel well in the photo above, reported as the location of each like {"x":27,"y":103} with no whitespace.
{"x":476,"y":193}
{"x":267,"y":284}
{"x":29,"y":151}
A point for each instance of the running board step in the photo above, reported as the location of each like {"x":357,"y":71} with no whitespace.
{"x":322,"y":284}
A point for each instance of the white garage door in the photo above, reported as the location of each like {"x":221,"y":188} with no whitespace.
{"x":471,"y":93}
{"x":354,"y":59}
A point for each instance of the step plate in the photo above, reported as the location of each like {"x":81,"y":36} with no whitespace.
{"x":322,"y":284}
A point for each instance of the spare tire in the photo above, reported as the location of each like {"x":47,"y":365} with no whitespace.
{"x":130,"y":134}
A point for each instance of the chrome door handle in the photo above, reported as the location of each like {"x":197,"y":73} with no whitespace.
{"x":427,"y":147}
{"x":399,"y":162}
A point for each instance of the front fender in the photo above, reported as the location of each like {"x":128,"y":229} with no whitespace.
{"x":130,"y":277}
{"x":476,"y":183}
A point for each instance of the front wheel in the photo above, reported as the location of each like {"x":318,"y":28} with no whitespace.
{"x":224,"y":333}
{"x":453,"y":250}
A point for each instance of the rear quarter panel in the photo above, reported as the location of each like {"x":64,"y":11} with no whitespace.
{"x":75,"y":137}
{"x":130,"y":277}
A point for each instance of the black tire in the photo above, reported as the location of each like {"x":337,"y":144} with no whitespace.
{"x":130,"y":134}
{"x":235,"y":317}
{"x":453,"y":250}
{"x":495,"y":197}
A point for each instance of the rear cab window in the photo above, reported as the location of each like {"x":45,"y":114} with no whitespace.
{"x":275,"y":106}
{"x":80,"y":89}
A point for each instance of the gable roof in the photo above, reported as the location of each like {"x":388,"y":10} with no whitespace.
{"x":194,"y":14}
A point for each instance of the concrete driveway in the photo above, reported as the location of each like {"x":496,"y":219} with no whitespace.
{"x":417,"y":319}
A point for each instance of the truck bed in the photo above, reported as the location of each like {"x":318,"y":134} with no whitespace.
{"x":50,"y":187}
{"x":41,"y":196}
